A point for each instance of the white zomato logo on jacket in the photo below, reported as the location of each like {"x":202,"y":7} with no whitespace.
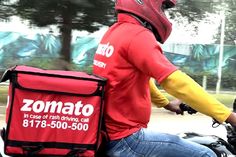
{"x":104,"y":50}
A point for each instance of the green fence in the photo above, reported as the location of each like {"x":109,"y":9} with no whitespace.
{"x":198,"y":60}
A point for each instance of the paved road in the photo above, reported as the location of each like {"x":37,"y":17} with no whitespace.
{"x":164,"y":121}
{"x":2,"y":115}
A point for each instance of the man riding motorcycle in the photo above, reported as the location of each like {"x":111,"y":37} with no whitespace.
{"x":128,"y":55}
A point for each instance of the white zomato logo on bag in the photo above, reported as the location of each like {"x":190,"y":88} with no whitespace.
{"x":67,"y":108}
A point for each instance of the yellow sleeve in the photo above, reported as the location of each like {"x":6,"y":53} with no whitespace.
{"x":186,"y":89}
{"x":158,"y":99}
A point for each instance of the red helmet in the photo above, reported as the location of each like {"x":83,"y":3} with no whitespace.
{"x":151,"y":11}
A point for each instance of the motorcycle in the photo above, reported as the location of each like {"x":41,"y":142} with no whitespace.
{"x":222,"y":147}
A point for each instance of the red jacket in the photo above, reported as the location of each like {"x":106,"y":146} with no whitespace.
{"x":128,"y":55}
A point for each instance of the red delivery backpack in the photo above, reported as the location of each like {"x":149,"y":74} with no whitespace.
{"x":52,"y":112}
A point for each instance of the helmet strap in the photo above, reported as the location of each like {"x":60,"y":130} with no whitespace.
{"x":144,"y":24}
{"x":148,"y":26}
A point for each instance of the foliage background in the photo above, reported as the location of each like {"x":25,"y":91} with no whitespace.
{"x":43,"y":51}
{"x":65,"y":50}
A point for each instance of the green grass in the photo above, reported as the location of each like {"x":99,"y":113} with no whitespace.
{"x":3,"y":94}
{"x":226,"y":99}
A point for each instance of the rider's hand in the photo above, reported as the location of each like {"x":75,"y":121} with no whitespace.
{"x":173,"y":106}
{"x":232,"y":119}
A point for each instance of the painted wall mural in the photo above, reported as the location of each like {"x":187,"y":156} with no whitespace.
{"x":17,"y":48}
{"x":204,"y":58}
